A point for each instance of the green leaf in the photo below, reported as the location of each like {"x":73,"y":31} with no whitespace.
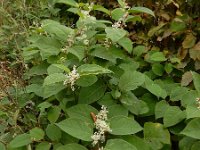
{"x":101,"y":8}
{"x":20,"y":140}
{"x":86,"y":80}
{"x":122,"y":125}
{"x":53,"y":114}
{"x":158,"y":69}
{"x":130,"y":80}
{"x":43,"y":146}
{"x":156,"y":90}
{"x":115,"y":34}
{"x":126,"y":43}
{"x":119,"y":144}
{"x":53,"y":132}
{"x":48,"y":46}
{"x":136,"y":141}
{"x":196,"y":81}
{"x":192,"y":112}
{"x":54,"y":78}
{"x":160,"y":109}
{"x":117,"y":13}
{"x":37,"y":134}
{"x":77,"y":128}
{"x":92,"y":93}
{"x":131,"y":102}
{"x":117,"y":110}
{"x":195,"y":146}
{"x":2,"y":146}
{"x":158,"y":57}
{"x":92,"y":69}
{"x":78,"y":51}
{"x":68,"y":2}
{"x":122,"y":3}
{"x":82,"y":112}
{"x":139,"y":50}
{"x":52,"y":89}
{"x":192,"y":129}
{"x":176,"y":112}
{"x":63,"y":67}
{"x":141,"y":10}
{"x":177,"y":25}
{"x":72,"y":146}
{"x":53,"y":69}
{"x":35,"y":88}
{"x":55,"y":28}
{"x":156,"y":135}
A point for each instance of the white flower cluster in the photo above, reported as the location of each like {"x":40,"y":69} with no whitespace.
{"x":121,"y":22}
{"x":71,"y":78}
{"x":198,"y":102}
{"x":101,"y":126}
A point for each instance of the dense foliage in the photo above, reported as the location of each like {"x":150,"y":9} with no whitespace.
{"x":97,"y":75}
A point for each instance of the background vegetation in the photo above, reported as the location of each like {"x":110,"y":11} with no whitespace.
{"x":140,"y":59}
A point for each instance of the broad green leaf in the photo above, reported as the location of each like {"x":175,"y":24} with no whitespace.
{"x":72,"y":146}
{"x":176,"y":112}
{"x":115,"y":34}
{"x":122,"y":125}
{"x":178,"y":93}
{"x":104,"y":53}
{"x":138,"y":142}
{"x":92,"y":69}
{"x":53,"y":114}
{"x":52,"y":89}
{"x":117,"y":110}
{"x":126,"y":43}
{"x":40,"y":69}
{"x":86,"y":80}
{"x":77,"y":128}
{"x":141,"y":10}
{"x":68,"y":2}
{"x":48,"y":46}
{"x":196,"y":81}
{"x":78,"y":51}
{"x":82,"y":111}
{"x":119,"y":144}
{"x":186,"y":143}
{"x":43,"y":146}
{"x":54,"y":78}
{"x":53,"y":132}
{"x":160,"y":109}
{"x":36,"y":134}
{"x":135,"y":106}
{"x":55,"y":28}
{"x":158,"y":57}
{"x":117,"y":13}
{"x":189,"y":41}
{"x":35,"y":88}
{"x":2,"y":146}
{"x":192,"y":129}
{"x":122,"y":3}
{"x":192,"y":112}
{"x":156,"y":135}
{"x":177,"y":25}
{"x":156,"y":90}
{"x":101,"y":8}
{"x":153,"y":31}
{"x":92,"y":93}
{"x":130,"y":80}
{"x":158,"y":69}
{"x":20,"y":140}
{"x":195,"y":146}
{"x":53,"y":69}
{"x":139,"y":50}
{"x":63,"y":67}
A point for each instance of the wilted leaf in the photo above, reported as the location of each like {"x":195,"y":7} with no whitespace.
{"x":195,"y":52}
{"x":186,"y":78}
{"x":189,"y":41}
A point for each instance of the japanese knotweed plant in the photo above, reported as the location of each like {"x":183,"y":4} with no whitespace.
{"x":74,"y":71}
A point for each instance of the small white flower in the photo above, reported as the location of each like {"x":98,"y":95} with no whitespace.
{"x":86,"y":42}
{"x":71,"y":78}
